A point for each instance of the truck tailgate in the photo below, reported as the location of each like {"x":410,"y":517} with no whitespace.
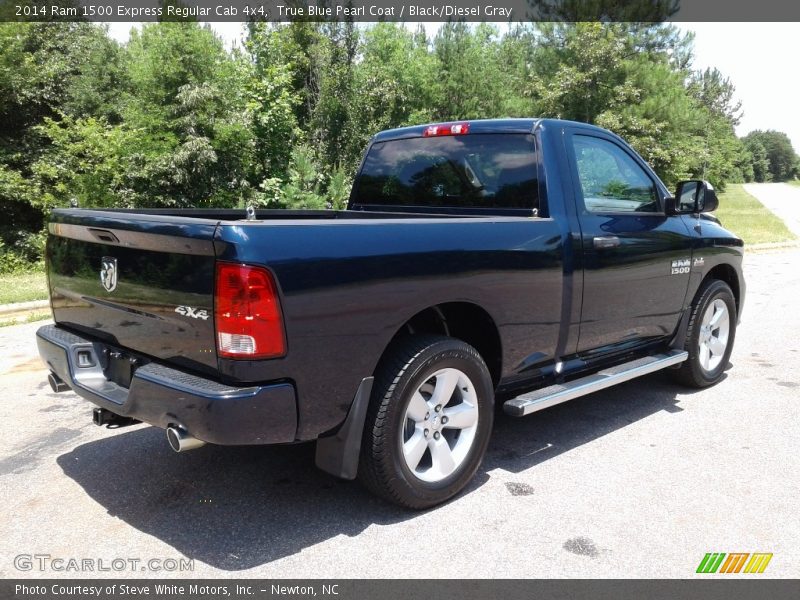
{"x":139,"y":282}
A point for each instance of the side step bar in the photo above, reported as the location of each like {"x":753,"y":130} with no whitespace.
{"x":556,"y":394}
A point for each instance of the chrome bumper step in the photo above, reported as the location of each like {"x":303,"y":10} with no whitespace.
{"x":556,"y":394}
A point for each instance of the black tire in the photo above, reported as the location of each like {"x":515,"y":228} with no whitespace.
{"x":407,"y":366}
{"x":691,"y":372}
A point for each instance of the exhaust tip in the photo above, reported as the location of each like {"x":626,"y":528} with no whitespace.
{"x":56,"y":383}
{"x":180,"y":441}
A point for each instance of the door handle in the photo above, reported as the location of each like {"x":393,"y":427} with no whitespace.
{"x":606,"y":241}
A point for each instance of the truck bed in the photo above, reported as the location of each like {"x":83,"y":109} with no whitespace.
{"x":347,"y":281}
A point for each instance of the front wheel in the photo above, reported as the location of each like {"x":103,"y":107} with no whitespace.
{"x":710,"y":335}
{"x":428,"y":423}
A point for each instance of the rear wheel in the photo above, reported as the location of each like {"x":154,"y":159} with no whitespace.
{"x":710,"y":335}
{"x":428,"y":423}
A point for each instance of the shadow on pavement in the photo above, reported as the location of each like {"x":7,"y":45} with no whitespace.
{"x":521,"y":443}
{"x":237,"y":508}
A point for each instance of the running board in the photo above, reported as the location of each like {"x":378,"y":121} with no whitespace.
{"x":556,"y":394}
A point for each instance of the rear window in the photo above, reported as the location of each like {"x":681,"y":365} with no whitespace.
{"x":460,"y":171}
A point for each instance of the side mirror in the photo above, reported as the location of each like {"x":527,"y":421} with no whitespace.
{"x":709,"y":201}
{"x":696,"y":196}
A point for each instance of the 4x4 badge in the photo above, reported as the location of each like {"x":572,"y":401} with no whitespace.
{"x":195,"y":313}
{"x":108,"y":273}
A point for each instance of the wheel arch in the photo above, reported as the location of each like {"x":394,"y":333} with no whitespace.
{"x":725,"y":272}
{"x":466,"y":321}
{"x":338,"y":452}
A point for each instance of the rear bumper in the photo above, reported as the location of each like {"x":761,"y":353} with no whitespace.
{"x":162,"y":396}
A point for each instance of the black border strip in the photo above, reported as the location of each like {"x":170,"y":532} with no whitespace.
{"x":401,"y":10}
{"x":716,"y":588}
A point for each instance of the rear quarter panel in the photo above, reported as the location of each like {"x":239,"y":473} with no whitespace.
{"x":348,"y":286}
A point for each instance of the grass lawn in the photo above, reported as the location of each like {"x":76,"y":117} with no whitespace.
{"x":23,"y":287}
{"x":33,"y":317}
{"x":749,"y":219}
{"x":794,"y":182}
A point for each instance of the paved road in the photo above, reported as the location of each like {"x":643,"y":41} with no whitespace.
{"x":637,"y":481}
{"x":780,"y":198}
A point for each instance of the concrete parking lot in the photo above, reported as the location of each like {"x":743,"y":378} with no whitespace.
{"x":637,"y":481}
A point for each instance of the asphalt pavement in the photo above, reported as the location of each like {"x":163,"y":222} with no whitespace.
{"x":641,"y":480}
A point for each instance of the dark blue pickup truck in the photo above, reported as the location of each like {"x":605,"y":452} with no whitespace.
{"x":524,"y":261}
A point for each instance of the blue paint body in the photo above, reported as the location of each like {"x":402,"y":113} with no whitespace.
{"x":351,"y":280}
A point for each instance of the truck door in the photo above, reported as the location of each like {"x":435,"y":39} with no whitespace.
{"x":636,"y":260}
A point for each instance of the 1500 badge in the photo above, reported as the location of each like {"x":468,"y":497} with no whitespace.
{"x":681,"y":266}
{"x":195,"y":313}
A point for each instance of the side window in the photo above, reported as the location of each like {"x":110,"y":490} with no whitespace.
{"x":610,"y":179}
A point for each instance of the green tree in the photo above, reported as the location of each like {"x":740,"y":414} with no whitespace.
{"x":276,"y":94}
{"x":396,"y":82}
{"x":186,"y":105}
{"x":780,"y":154}
{"x":302,"y":94}
{"x":174,"y":119}
{"x":717,"y":93}
{"x":303,"y":188}
{"x":473,"y":82}
{"x":46,"y":69}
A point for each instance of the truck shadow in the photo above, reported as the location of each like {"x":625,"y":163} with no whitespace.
{"x":236,"y":508}
{"x":519,"y":444}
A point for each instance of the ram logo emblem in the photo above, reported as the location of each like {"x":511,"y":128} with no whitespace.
{"x":108,"y":273}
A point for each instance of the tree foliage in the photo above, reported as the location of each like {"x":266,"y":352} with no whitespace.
{"x":778,"y":161}
{"x":174,"y":119}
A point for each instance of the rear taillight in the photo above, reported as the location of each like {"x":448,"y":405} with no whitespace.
{"x":446,"y":129}
{"x":248,"y":316}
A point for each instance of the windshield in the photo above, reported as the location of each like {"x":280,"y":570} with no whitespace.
{"x":459,"y":171}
